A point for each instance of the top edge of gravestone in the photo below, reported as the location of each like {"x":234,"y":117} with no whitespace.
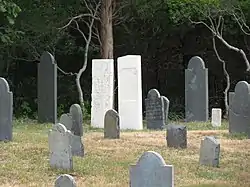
{"x":60,"y":127}
{"x":69,"y":177}
{"x":112,"y":110}
{"x":6,"y":84}
{"x":196,"y":62}
{"x":130,"y":56}
{"x":152,"y":93}
{"x":164,"y":97}
{"x":47,"y":57}
{"x":176,"y":126}
{"x":152,"y":154}
{"x":102,"y":60}
{"x":242,"y":84}
{"x":212,"y":138}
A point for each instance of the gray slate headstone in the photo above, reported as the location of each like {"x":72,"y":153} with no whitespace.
{"x":239,"y":108}
{"x":177,"y":136}
{"x":66,"y":120}
{"x":47,"y":89}
{"x":196,"y":90}
{"x":112,"y":124}
{"x":6,"y":111}
{"x":156,"y":110}
{"x":209,"y":151}
{"x":151,"y":171}
{"x":77,"y":147}
{"x":65,"y":180}
{"x":60,"y":147}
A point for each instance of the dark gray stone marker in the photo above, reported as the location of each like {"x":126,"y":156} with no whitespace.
{"x":196,"y":90}
{"x":177,"y":136}
{"x":239,"y":108}
{"x":77,"y":119}
{"x":65,"y":180}
{"x":47,"y":89}
{"x":156,"y":110}
{"x":6,"y":111}
{"x":112,"y":124}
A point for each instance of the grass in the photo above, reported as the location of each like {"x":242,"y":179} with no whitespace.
{"x":24,"y":161}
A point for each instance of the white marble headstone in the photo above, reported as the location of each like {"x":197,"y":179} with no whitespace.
{"x":65,"y":180}
{"x":216,"y":117}
{"x":130,"y":92}
{"x":102,"y":90}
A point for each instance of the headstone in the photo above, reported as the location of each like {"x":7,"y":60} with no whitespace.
{"x":151,"y":171}
{"x":196,"y":90}
{"x":77,"y":120}
{"x":239,"y":109}
{"x":130,"y":92}
{"x":60,"y":147}
{"x":66,"y":120}
{"x":47,"y":89}
{"x":112,"y":125}
{"x":102,"y":90}
{"x":65,"y":180}
{"x":210,"y":151}
{"x":216,"y":117}
{"x":156,"y":110}
{"x":6,"y":111}
{"x":177,"y":136}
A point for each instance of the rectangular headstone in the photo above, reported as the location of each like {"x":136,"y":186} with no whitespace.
{"x":196,"y":90}
{"x":102,"y":90}
{"x":130,"y":92}
{"x":47,"y":89}
{"x":177,"y":136}
{"x":216,"y":117}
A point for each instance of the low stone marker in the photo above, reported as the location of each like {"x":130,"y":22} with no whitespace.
{"x":112,"y":125}
{"x":151,"y":171}
{"x":209,"y":151}
{"x":177,"y":136}
{"x":65,"y":180}
{"x":6,"y":111}
{"x":60,"y":147}
{"x":216,"y":117}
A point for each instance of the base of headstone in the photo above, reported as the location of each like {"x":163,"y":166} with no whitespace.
{"x":77,"y":147}
{"x":177,"y":136}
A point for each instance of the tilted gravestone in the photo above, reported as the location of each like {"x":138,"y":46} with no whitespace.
{"x":65,"y":180}
{"x":6,"y":111}
{"x":60,"y":147}
{"x":47,"y":89}
{"x":196,"y":90}
{"x":177,"y":136}
{"x":151,"y":170}
{"x":112,"y":124}
{"x":209,"y":151}
{"x":216,"y":117}
{"x":156,"y":110}
{"x":239,"y":108}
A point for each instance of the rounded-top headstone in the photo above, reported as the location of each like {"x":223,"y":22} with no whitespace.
{"x":153,"y":94}
{"x":196,"y":62}
{"x":240,"y":104}
{"x":77,"y":117}
{"x":47,"y":58}
{"x":152,"y":157}
{"x":65,"y":180}
{"x":4,"y":86}
{"x":242,"y":87}
{"x":60,"y":128}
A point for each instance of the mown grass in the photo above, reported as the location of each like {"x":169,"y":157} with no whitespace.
{"x":24,"y":161}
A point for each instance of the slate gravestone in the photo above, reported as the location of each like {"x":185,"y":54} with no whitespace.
{"x":156,"y":110}
{"x":151,"y":171}
{"x":60,"y":147}
{"x":65,"y":180}
{"x":66,"y":120}
{"x":47,"y":89}
{"x":196,"y":90}
{"x":6,"y":111}
{"x":216,"y":117}
{"x":177,"y":136}
{"x":209,"y":151}
{"x":112,"y":125}
{"x":239,"y":109}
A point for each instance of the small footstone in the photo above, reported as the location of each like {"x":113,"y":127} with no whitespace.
{"x":216,"y":117}
{"x":177,"y":136}
{"x":65,"y":180}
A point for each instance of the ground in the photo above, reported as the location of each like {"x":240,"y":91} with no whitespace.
{"x":24,"y":161}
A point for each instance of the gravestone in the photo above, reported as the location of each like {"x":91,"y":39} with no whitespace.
{"x":239,"y":109}
{"x":209,"y":151}
{"x":60,"y":147}
{"x":216,"y":117}
{"x":112,"y":125}
{"x":65,"y":180}
{"x":47,"y":89}
{"x":102,"y":90}
{"x":177,"y":136}
{"x":6,"y":111}
{"x":66,"y":120}
{"x":196,"y":90}
{"x":130,"y":92}
{"x":156,"y":110}
{"x":151,"y":171}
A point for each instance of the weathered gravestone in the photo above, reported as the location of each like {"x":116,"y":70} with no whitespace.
{"x":112,"y":125}
{"x":65,"y":180}
{"x":47,"y":89}
{"x":177,"y":136}
{"x":151,"y":171}
{"x":60,"y":147}
{"x":216,"y":117}
{"x":196,"y":90}
{"x":209,"y":151}
{"x":156,"y":110}
{"x":6,"y":111}
{"x":239,"y":108}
